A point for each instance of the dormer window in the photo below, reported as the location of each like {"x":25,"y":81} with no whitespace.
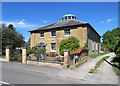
{"x":67,"y":32}
{"x":42,"y":35}
{"x":53,"y":33}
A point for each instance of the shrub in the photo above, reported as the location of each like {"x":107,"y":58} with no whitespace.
{"x":47,"y":54}
{"x":71,"y":44}
{"x":29,"y":51}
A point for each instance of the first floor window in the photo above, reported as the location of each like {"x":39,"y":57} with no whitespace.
{"x":53,"y":33}
{"x":53,"y":47}
{"x":42,"y":35}
{"x":67,"y":32}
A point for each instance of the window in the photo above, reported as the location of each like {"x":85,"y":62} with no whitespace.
{"x":66,"y":18}
{"x":96,"y":46}
{"x":67,"y":32}
{"x":92,"y":45}
{"x":53,"y":47}
{"x":73,"y":17}
{"x":53,"y":33}
{"x":69,"y":17}
{"x":42,"y":35}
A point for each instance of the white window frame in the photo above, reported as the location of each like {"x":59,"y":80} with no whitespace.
{"x":51,"y":33}
{"x":53,"y":50}
{"x":92,"y":44}
{"x":96,"y":46}
{"x":64,"y":32}
{"x":40,"y":34}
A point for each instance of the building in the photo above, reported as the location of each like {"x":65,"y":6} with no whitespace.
{"x":51,"y":35}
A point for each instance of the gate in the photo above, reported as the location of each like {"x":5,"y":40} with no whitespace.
{"x":16,"y":54}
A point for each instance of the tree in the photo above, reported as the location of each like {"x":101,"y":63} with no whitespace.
{"x":117,"y":48}
{"x":11,"y":37}
{"x":109,"y":39}
{"x":71,"y":44}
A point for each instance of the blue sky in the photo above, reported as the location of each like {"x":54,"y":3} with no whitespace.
{"x":27,"y":16}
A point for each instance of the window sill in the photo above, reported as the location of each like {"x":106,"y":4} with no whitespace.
{"x":66,"y":35}
{"x":41,"y":37}
{"x":53,"y":51}
{"x":53,"y":36}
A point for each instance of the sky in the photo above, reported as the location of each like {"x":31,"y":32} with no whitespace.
{"x":26,"y":16}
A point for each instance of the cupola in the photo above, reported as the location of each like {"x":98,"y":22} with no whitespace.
{"x":69,"y":17}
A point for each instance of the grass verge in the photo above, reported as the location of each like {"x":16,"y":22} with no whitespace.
{"x":97,"y":65}
{"x":80,"y":63}
{"x":117,"y":71}
{"x":98,"y":54}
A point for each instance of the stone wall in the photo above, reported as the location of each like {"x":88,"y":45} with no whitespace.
{"x":78,"y":32}
{"x":93,"y":41}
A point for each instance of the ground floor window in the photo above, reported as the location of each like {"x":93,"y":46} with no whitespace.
{"x":53,"y":47}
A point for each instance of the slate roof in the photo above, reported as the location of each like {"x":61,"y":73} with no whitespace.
{"x":63,"y":23}
{"x":59,"y":24}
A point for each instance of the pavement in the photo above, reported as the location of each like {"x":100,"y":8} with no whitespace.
{"x":105,"y":74}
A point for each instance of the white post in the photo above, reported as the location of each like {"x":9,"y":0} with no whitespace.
{"x":24,"y":55}
{"x":7,"y":54}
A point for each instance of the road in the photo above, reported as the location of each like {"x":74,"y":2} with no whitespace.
{"x":18,"y":76}
{"x":27,"y":74}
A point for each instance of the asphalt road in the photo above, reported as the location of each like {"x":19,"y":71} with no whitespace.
{"x":14,"y":76}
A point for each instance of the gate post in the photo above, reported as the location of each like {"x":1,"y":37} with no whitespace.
{"x":24,"y":55}
{"x":66,"y":58}
{"x":7,"y":54}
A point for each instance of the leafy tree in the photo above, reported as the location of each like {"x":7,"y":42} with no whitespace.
{"x":71,"y":44}
{"x":11,"y":37}
{"x":117,"y":48}
{"x":109,"y":39}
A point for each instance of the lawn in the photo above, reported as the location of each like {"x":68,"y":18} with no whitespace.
{"x":97,"y":65}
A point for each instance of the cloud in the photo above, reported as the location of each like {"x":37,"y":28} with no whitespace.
{"x":108,"y":20}
{"x":19,"y":23}
{"x":43,"y":21}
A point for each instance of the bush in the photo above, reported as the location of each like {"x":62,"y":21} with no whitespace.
{"x":47,"y":54}
{"x":29,"y":51}
{"x":71,"y":44}
{"x":86,"y":45}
